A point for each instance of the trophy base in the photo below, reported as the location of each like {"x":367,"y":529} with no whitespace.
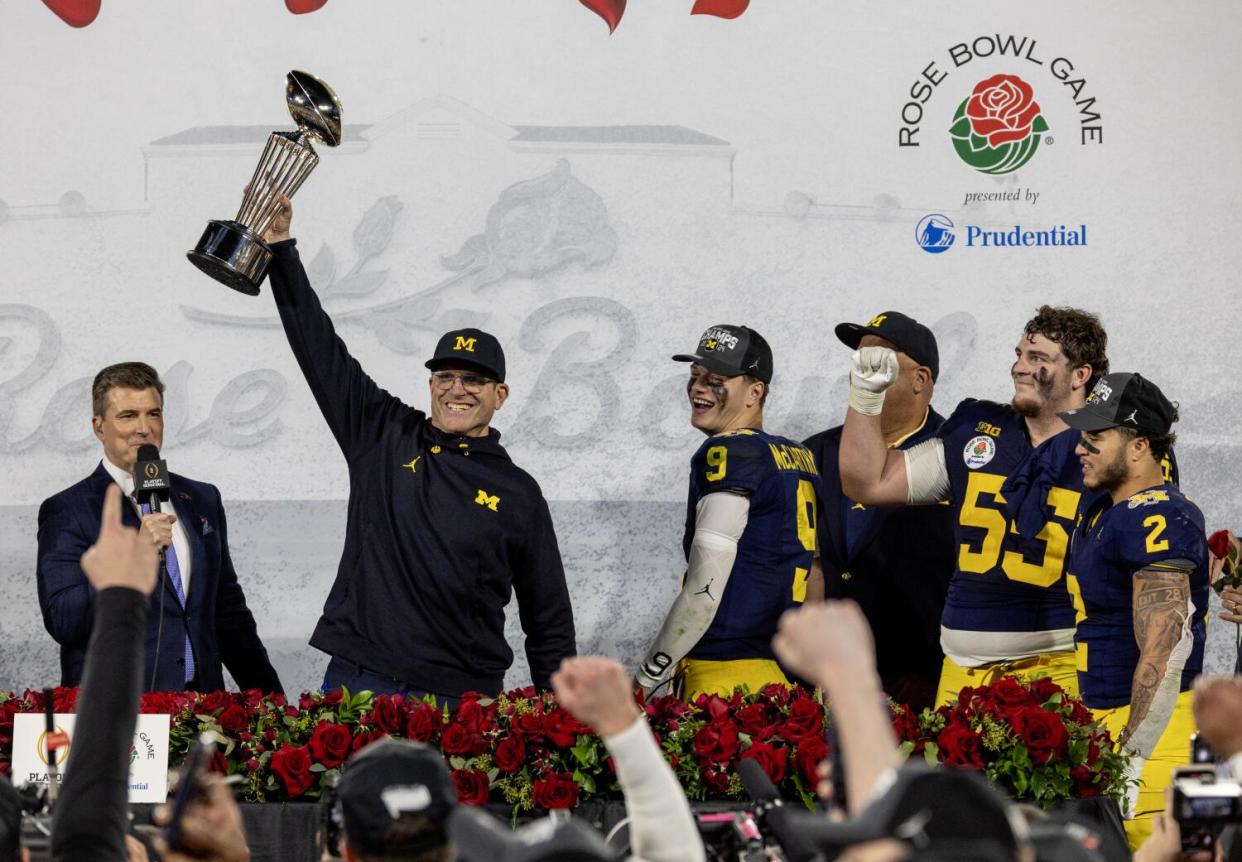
{"x":233,"y":255}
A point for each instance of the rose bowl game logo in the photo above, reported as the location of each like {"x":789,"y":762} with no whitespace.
{"x":997,"y":129}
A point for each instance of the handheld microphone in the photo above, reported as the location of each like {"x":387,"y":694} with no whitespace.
{"x":771,"y":811}
{"x":150,"y":477}
{"x":150,"y":487}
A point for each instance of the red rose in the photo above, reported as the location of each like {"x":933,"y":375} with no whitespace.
{"x":218,"y":763}
{"x":757,"y":720}
{"x":234,"y":719}
{"x":1084,"y":782}
{"x":717,"y":741}
{"x":558,"y":790}
{"x":776,"y":692}
{"x":1219,"y":544}
{"x":1043,"y":732}
{"x":306,"y":701}
{"x":330,"y":744}
{"x":386,"y":713}
{"x":807,"y":713}
{"x":772,"y":759}
{"x":1002,"y":109}
{"x":562,"y":728}
{"x":1043,"y":688}
{"x":424,"y":723}
{"x":716,"y":777}
{"x":1008,"y":692}
{"x":253,"y":764}
{"x":291,"y":766}
{"x":64,"y":699}
{"x":213,"y":701}
{"x":362,"y":740}
{"x":530,"y":726}
{"x":905,"y":724}
{"x":510,"y":754}
{"x":472,"y":786}
{"x":809,"y":756}
{"x":1079,"y":714}
{"x":474,"y":718}
{"x":456,"y":740}
{"x":961,"y":745}
{"x":331,"y":698}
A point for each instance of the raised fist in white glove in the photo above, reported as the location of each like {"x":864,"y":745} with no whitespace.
{"x":872,"y":371}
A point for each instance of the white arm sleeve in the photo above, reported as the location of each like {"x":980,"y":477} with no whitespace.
{"x":719,"y":522}
{"x":927,"y":474}
{"x":662,"y":828}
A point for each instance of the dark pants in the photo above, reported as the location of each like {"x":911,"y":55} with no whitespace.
{"x":356,"y":678}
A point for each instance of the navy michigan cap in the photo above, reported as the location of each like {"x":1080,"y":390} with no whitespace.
{"x":472,"y":346}
{"x":732,"y":350}
{"x":1124,"y":400}
{"x":911,"y":337}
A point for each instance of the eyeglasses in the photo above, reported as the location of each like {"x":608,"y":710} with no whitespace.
{"x":472,"y":383}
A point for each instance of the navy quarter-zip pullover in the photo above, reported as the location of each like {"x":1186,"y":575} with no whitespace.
{"x":442,"y":529}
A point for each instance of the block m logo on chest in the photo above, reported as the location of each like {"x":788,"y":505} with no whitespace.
{"x":491,"y":501}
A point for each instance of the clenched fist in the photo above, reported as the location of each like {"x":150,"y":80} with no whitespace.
{"x":872,"y":371}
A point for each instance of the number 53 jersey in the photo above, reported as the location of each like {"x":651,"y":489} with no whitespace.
{"x":776,"y":549}
{"x":1157,"y":528}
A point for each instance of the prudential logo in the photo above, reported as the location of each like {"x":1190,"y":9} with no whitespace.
{"x":934,"y":233}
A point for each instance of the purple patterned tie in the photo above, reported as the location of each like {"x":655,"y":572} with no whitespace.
{"x":174,"y":575}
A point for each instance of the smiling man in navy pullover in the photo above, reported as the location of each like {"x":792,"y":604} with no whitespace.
{"x":443,"y":527}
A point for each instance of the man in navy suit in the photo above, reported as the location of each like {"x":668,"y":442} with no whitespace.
{"x":894,"y":562}
{"x":198,"y":617}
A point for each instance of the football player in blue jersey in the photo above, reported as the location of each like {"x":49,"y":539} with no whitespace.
{"x":750,"y":539}
{"x":1138,"y":573}
{"x":1007,"y":609}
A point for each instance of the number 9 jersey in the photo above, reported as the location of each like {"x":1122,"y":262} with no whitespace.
{"x":775,"y":551}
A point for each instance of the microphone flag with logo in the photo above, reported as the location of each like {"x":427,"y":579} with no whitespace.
{"x":150,"y":477}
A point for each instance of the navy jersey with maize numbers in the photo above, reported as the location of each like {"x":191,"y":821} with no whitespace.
{"x":775,"y":551}
{"x":1154,"y":528}
{"x":1005,"y":582}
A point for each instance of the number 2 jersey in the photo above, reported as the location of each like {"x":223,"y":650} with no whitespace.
{"x":1157,"y":529}
{"x":776,"y":549}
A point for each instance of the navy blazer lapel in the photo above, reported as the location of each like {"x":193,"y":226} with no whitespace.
{"x":100,"y":480}
{"x":187,"y":510}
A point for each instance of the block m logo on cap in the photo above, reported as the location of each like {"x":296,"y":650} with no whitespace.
{"x":878,"y":320}
{"x":463,"y":343}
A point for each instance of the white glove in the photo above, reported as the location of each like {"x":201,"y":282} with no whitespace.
{"x":872,"y":371}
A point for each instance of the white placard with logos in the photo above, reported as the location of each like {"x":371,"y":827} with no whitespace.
{"x":148,"y":753}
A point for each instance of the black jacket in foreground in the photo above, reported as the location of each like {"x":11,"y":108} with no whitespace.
{"x":442,"y":529}
{"x":90,"y":819}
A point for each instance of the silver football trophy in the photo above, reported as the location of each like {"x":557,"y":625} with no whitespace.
{"x":233,"y":252}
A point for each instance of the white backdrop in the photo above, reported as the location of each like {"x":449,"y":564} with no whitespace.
{"x":595,"y":201}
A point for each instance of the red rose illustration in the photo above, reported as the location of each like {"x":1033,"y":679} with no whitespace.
{"x":720,"y":8}
{"x":301,"y":7}
{"x":1002,"y":109}
{"x":330,"y":744}
{"x":291,"y":766}
{"x":75,"y":13}
{"x":424,"y":723}
{"x":1043,"y":732}
{"x":510,"y":754}
{"x":558,"y":790}
{"x":809,"y":756}
{"x":960,"y":745}
{"x":610,"y":10}
{"x":771,"y":758}
{"x":472,"y":786}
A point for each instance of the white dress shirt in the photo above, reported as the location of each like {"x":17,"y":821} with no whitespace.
{"x":181,"y":542}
